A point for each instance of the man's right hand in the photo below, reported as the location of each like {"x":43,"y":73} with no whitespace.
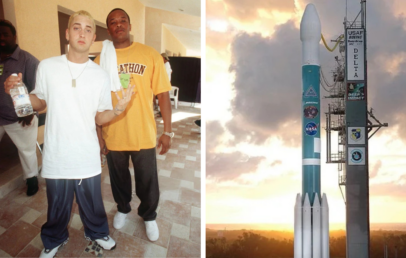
{"x":26,"y":120}
{"x":11,"y":81}
{"x":103,"y":147}
{"x":103,"y":150}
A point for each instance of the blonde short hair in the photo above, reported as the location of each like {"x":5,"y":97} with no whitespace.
{"x":83,"y":13}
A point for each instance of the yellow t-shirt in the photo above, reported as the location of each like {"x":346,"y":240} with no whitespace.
{"x":135,"y":129}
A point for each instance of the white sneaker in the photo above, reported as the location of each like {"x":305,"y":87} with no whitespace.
{"x":152,"y":230}
{"x":50,"y":253}
{"x":107,"y":243}
{"x":119,"y":220}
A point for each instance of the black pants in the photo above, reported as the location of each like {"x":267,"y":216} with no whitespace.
{"x":60,"y":194}
{"x":146,"y":181}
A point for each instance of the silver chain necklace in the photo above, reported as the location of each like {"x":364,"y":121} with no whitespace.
{"x":74,"y":80}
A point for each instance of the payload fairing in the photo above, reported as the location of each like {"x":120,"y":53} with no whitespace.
{"x":311,"y":238}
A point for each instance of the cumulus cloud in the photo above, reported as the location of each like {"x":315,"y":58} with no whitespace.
{"x":225,"y":166}
{"x":391,"y":189}
{"x":229,"y":166}
{"x":247,"y":10}
{"x":214,"y":134}
{"x":268,"y":75}
{"x":219,"y":40}
{"x":265,"y":95}
{"x":375,"y":169}
{"x":282,"y":185}
{"x":268,"y":86}
{"x":219,"y":32}
{"x":276,"y":163}
{"x":215,"y":10}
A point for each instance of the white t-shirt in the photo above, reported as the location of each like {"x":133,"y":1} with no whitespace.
{"x":168,"y":70}
{"x":71,"y":147}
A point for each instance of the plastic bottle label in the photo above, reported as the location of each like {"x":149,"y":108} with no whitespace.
{"x":20,"y":100}
{"x":21,"y":90}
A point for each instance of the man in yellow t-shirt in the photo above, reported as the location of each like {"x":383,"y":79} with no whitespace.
{"x":134,"y":133}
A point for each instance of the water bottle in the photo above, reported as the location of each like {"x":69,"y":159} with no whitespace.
{"x":21,"y":99}
{"x":103,"y":160}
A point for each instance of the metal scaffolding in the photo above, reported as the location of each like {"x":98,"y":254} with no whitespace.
{"x":349,"y":118}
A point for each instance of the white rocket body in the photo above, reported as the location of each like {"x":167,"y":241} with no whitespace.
{"x":310,"y":35}
{"x":311,"y":222}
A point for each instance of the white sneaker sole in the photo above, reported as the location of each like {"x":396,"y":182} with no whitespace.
{"x":88,"y":239}
{"x":58,"y":247}
{"x":120,"y":225}
{"x":155,"y":236}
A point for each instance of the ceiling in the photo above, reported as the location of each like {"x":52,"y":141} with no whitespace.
{"x":191,"y":7}
{"x":191,"y":39}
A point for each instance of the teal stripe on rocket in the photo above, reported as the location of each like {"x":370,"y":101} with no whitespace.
{"x":310,"y":129}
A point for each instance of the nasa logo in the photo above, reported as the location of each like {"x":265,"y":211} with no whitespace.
{"x":356,"y":156}
{"x":311,"y":129}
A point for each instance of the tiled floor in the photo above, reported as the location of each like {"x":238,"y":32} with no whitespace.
{"x":179,"y":210}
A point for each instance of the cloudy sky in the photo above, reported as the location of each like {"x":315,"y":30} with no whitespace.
{"x":253,"y":83}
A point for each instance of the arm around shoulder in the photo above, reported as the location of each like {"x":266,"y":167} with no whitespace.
{"x":31,"y":72}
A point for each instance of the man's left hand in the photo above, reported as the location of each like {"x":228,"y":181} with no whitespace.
{"x":26,"y":120}
{"x":165,"y":142}
{"x":123,"y":102}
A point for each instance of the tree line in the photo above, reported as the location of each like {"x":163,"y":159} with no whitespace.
{"x":253,"y":245}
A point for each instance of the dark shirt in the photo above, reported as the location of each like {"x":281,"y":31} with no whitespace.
{"x":19,"y":62}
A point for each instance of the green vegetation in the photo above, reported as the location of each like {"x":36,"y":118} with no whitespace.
{"x":279,"y":244}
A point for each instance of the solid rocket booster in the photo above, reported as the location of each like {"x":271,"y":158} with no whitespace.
{"x":297,"y":229}
{"x":311,"y":238}
{"x":310,"y":35}
{"x":307,"y":228}
{"x":316,"y":228}
{"x":311,"y":228}
{"x":325,"y":236}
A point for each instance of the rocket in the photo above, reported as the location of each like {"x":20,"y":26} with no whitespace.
{"x":311,"y":236}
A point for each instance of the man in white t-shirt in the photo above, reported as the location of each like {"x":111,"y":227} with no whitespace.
{"x":167,"y":65}
{"x":77,"y":94}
